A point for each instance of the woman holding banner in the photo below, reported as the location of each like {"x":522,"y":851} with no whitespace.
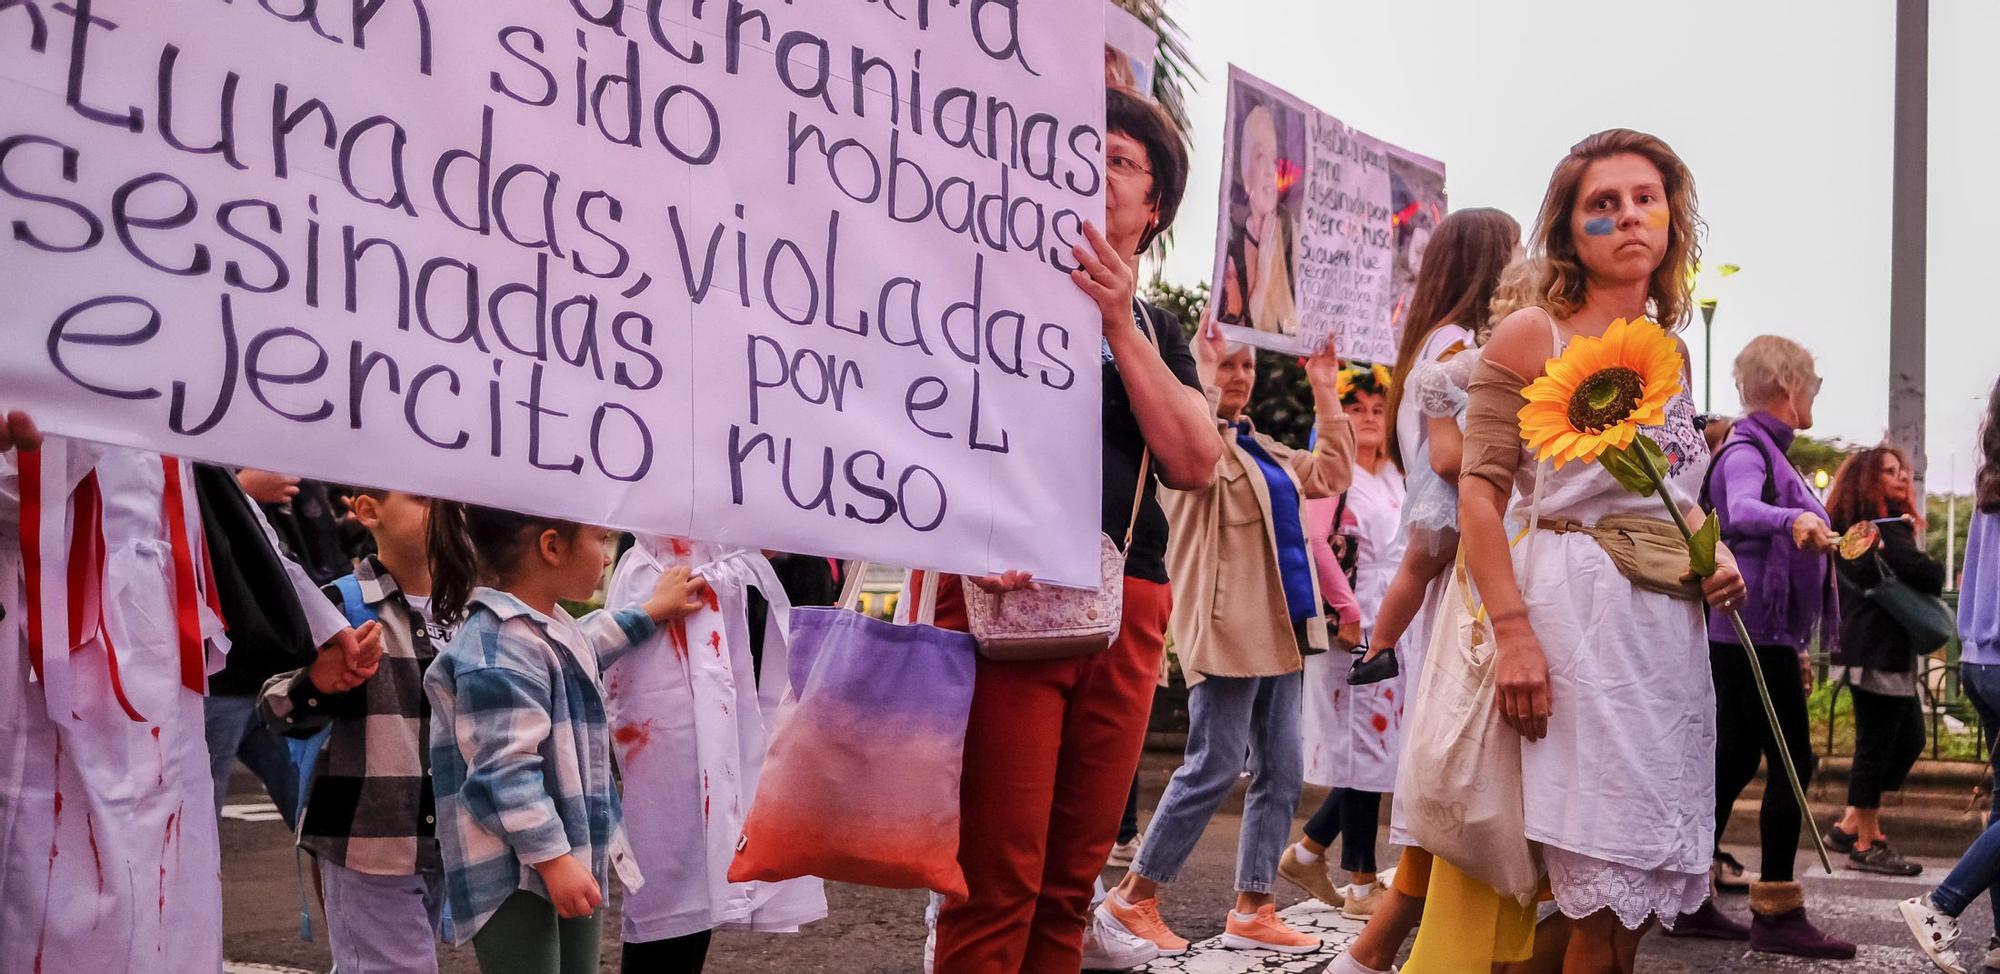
{"x":1051,"y":746}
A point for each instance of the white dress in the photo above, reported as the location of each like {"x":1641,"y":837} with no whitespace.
{"x":108,"y":848}
{"x":1353,"y":735}
{"x":689,"y":726}
{"x":1621,"y":793}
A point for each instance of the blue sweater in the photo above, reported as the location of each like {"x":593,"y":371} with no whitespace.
{"x":1979,"y":592}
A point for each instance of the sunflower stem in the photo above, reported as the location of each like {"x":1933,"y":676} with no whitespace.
{"x":1757,"y":675}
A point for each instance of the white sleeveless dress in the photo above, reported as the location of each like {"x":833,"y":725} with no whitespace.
{"x":1621,"y":793}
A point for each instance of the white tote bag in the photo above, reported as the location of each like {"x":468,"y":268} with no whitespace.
{"x":1461,"y":766}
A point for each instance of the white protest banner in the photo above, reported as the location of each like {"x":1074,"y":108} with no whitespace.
{"x":1316,"y":238}
{"x":788,"y":275}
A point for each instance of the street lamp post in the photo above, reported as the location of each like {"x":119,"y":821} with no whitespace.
{"x":1705,"y":279}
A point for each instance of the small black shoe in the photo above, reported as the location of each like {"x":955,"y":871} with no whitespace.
{"x":1382,"y":667}
{"x":1883,"y":860}
{"x":1728,"y":874}
{"x":1838,"y":840}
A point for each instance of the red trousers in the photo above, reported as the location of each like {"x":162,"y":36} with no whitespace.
{"x":1050,"y":752}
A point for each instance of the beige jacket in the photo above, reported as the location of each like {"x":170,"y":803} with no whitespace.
{"x":1230,"y":617}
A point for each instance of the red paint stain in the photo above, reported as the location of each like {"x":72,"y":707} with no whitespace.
{"x":712,"y":600}
{"x":1388,"y":693}
{"x":96,"y":860}
{"x":677,"y":635}
{"x":160,"y":778}
{"x":704,"y":796}
{"x":167,"y":840}
{"x":634,"y":737}
{"x":680,"y":547}
{"x":715,"y":643}
{"x":1381,"y":724}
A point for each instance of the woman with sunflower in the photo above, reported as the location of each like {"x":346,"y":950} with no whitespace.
{"x":1604,"y":675}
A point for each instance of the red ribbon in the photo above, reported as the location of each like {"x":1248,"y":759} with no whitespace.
{"x":31,"y":553}
{"x":187,"y":595}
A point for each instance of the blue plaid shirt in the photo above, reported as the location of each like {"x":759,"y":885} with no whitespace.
{"x":521,"y":748}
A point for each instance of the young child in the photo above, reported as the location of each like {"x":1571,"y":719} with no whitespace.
{"x":368,"y":815}
{"x":691,"y":722}
{"x":528,"y":813}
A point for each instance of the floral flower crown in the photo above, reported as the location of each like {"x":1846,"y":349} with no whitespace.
{"x":1372,"y":379}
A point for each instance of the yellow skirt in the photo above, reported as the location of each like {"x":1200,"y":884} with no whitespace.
{"x":1467,"y":926}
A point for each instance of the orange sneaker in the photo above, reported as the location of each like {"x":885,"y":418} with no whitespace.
{"x":1142,"y":920}
{"x":1266,"y":932}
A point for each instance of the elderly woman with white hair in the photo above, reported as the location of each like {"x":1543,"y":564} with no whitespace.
{"x":1778,"y":531}
{"x":1257,"y":281}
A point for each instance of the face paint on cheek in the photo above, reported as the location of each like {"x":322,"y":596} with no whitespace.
{"x":1598,"y":226}
{"x":1659,"y":219}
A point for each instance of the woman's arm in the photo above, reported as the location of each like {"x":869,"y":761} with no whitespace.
{"x":1514,"y":356}
{"x":1176,"y":421}
{"x":1329,"y":468}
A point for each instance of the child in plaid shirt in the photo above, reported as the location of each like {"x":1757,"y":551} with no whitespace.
{"x":368,"y":818}
{"x":528,"y":813}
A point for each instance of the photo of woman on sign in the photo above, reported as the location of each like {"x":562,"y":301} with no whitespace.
{"x":1257,"y":280}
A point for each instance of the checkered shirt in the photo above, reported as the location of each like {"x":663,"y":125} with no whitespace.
{"x":521,"y":747}
{"x":369,"y":805}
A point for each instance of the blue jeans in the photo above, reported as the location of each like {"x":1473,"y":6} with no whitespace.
{"x":1234,"y":723}
{"x":1979,"y":869}
{"x":235,"y":732}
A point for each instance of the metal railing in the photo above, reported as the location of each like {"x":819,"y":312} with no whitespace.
{"x":1938,"y":688}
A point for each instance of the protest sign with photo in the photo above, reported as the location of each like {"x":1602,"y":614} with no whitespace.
{"x":1321,"y":230}
{"x":791,"y":276}
{"x":1130,"y":49}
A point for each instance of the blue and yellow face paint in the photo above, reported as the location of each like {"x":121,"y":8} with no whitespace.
{"x":1599,"y":226}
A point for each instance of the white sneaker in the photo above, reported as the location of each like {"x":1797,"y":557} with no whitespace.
{"x":1935,"y":932}
{"x":930,"y":932}
{"x":1346,"y":964}
{"x":1123,"y":853}
{"x":1109,"y":947}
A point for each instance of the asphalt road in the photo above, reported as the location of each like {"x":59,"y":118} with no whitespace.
{"x":871,"y":930}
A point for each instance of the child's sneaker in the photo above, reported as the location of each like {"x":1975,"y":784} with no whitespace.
{"x":1361,"y":903}
{"x":1264,"y":931}
{"x":1310,"y":877}
{"x":1142,"y":920}
{"x":1934,"y":931}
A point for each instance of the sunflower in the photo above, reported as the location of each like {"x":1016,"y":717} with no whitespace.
{"x":1362,"y":377}
{"x":1600,"y":391}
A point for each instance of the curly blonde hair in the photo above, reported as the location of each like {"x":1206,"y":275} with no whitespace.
{"x":1519,"y":288}
{"x":1563,"y":278}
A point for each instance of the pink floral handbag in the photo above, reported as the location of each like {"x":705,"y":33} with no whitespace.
{"x":1057,"y":623}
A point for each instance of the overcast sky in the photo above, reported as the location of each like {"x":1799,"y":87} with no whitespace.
{"x":1782,"y":110}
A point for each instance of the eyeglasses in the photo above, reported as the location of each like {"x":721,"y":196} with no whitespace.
{"x":1127,"y":167}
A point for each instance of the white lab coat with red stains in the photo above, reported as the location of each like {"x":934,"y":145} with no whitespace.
{"x":1353,"y":735}
{"x":690,"y":726}
{"x":108,"y":848}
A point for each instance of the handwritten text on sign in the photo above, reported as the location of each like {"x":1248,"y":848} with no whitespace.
{"x":1322,"y":227}
{"x":783,"y":274}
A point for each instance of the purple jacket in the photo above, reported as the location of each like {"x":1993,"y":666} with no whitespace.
{"x":1791,"y":592}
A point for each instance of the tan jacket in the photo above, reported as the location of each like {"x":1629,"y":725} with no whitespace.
{"x":1230,"y":616}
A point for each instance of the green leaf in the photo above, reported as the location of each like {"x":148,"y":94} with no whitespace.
{"x":1701,"y":547}
{"x":1651,"y":454}
{"x":1626,"y":466}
